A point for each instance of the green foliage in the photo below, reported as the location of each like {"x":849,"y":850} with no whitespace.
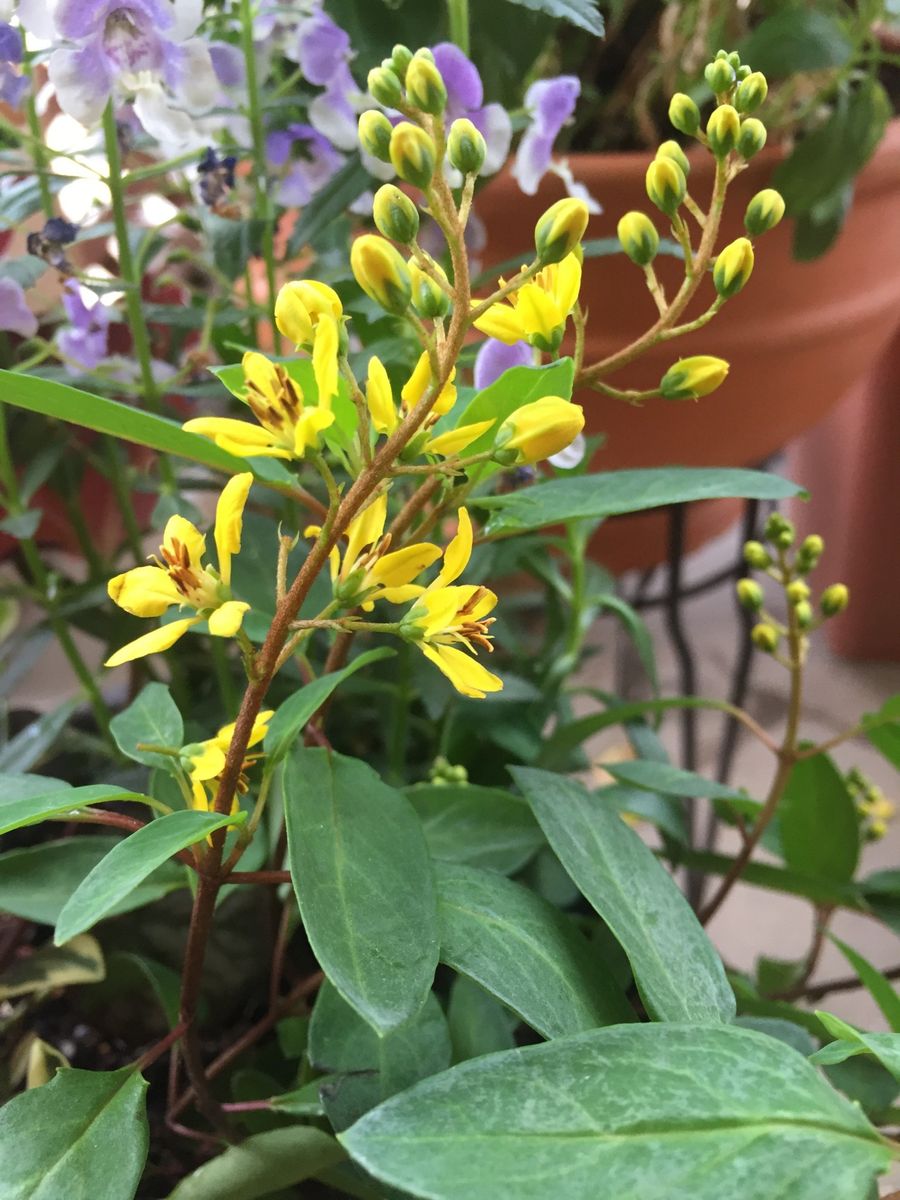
{"x":796,"y":39}
{"x":477,"y":826}
{"x":818,"y":822}
{"x":260,"y":1165}
{"x":79,"y":961}
{"x":583,"y":13}
{"x":28,"y":800}
{"x":152,"y":718}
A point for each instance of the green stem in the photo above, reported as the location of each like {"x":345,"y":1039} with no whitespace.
{"x":124,"y":500}
{"x":458,"y":11}
{"x":38,"y":148}
{"x":38,"y":572}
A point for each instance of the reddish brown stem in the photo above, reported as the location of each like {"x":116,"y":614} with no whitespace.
{"x":273,"y":877}
{"x":150,"y":1056}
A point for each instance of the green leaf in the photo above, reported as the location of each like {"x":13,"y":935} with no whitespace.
{"x":22,"y":525}
{"x":879,"y":988}
{"x":332,"y":201}
{"x":131,"y":861}
{"x":792,"y":1035}
{"x":662,"y":811}
{"x":32,"y":807}
{"x":77,"y":407}
{"x":80,"y":961}
{"x":26,"y":271}
{"x":818,"y":822}
{"x":293,"y":714}
{"x":681,"y":1112}
{"x":885,"y":1047}
{"x":582,"y":13}
{"x":482,"y":827}
{"x":671,"y":781}
{"x":367,"y":1068}
{"x":882,"y":728}
{"x":260,"y":1165}
{"x":637,"y":628}
{"x":61,"y":866}
{"x":592,"y":497}
{"x":81,"y":1136}
{"x":363,"y":879}
{"x":795,"y":39}
{"x":479,"y":1024}
{"x":233,"y":243}
{"x":303,"y":1101}
{"x":525,"y":952}
{"x":153,"y":719}
{"x":815,"y":231}
{"x":162,"y":981}
{"x":35,"y":741}
{"x":678,"y":972}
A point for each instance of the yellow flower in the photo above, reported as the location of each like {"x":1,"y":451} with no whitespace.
{"x":288,"y":427}
{"x":206,"y":761}
{"x":380,"y":398}
{"x":385,"y":417}
{"x":179,"y":576}
{"x":419,"y":383}
{"x":445,"y":617}
{"x":309,"y":313}
{"x":366,"y":572}
{"x":695,"y":376}
{"x":544,"y":427}
{"x":538,"y":311}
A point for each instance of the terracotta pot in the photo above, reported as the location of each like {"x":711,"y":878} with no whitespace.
{"x":797,"y":338}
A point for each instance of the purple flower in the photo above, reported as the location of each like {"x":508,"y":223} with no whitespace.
{"x":322,"y":48}
{"x":465,"y":98}
{"x":15,"y":315}
{"x":307,"y":173}
{"x":495,"y":357}
{"x":228,"y":64}
{"x":550,"y":103}
{"x":13,"y":85}
{"x":324,"y":54}
{"x":84,"y":340}
{"x":136,"y":47}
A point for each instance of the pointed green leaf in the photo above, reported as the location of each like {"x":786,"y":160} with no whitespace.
{"x":670,"y":780}
{"x":818,"y":822}
{"x":479,"y":1024}
{"x":525,"y":952}
{"x":669,"y":1111}
{"x":130,"y":862}
{"x":882,"y":728}
{"x":582,"y":13}
{"x":152,"y":719}
{"x":81,"y":1136}
{"x":260,"y":1165}
{"x":363,"y":882}
{"x":79,"y":961}
{"x":483,"y":827}
{"x":678,"y":972}
{"x":36,"y":740}
{"x":880,"y":989}
{"x":32,"y":806}
{"x":885,"y":1047}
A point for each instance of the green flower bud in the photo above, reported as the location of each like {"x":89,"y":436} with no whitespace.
{"x":752,"y":137}
{"x":749,"y":594}
{"x":804,"y":614}
{"x":424,"y":52}
{"x":757,"y":556}
{"x":638,"y":237}
{"x":723,"y":129}
{"x":780,"y":531}
{"x":466,"y":147}
{"x":375,"y":134}
{"x":395,"y":214}
{"x":834,"y":599}
{"x":734,"y":58}
{"x":764,"y":212}
{"x":811,"y":550}
{"x":719,"y":75}
{"x":401,"y":57}
{"x":734,"y":266}
{"x":381,"y":273}
{"x":384,"y":86}
{"x":413,"y":154}
{"x":743,"y":71}
{"x":692,"y":377}
{"x":798,"y":591}
{"x":764,"y":637}
{"x":684,"y":114}
{"x":672,"y":150}
{"x":425,"y":87}
{"x":428,"y":297}
{"x":666,"y":185}
{"x":751,"y":92}
{"x":560,"y":229}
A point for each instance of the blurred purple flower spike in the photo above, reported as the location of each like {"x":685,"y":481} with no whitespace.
{"x":13,"y":85}
{"x":307,"y":174}
{"x":324,"y":54}
{"x":495,"y":357}
{"x":465,"y":98}
{"x":15,"y":315}
{"x":550,"y":103}
{"x":84,"y":340}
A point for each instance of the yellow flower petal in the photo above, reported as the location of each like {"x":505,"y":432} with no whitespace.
{"x":417,"y":384}
{"x":309,"y":425}
{"x":179,"y":535}
{"x":229,"y":521}
{"x":144,"y":591}
{"x":380,"y":397}
{"x":458,"y":553}
{"x":262,"y":373}
{"x":151,"y":643}
{"x":402,"y":566}
{"x":226,"y":620}
{"x":466,"y":674}
{"x":538,"y":311}
{"x":208,"y":762}
{"x":199,"y":797}
{"x":501,"y":321}
{"x":455,"y":440}
{"x":567,"y":284}
{"x":325,"y":360}
{"x":260,"y":728}
{"x":436,"y":611}
{"x":365,"y":530}
{"x":237,"y":437}
{"x":401,"y":595}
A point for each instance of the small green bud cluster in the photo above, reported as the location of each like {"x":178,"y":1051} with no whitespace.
{"x":780,"y":531}
{"x":445,"y":774}
{"x":809,"y":553}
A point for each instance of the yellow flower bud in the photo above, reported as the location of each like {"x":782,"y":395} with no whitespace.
{"x":722,"y":129}
{"x":811,"y":550}
{"x":751,"y":92}
{"x":764,"y":212}
{"x":537,"y":430}
{"x":560,"y":229}
{"x":720,"y":75}
{"x":752,"y":137}
{"x":638,"y":237}
{"x":749,"y":594}
{"x":429,"y":299}
{"x":834,"y":599}
{"x":466,"y":148}
{"x":765,"y":637}
{"x":299,"y":307}
{"x":381,"y":273}
{"x":804,"y":614}
{"x":692,"y":377}
{"x":384,"y":86}
{"x":375,"y":134}
{"x":672,"y":150}
{"x":733,"y":268}
{"x":757,"y":556}
{"x":413,"y":154}
{"x":425,"y":88}
{"x":797,"y":591}
{"x":666,"y":185}
{"x":684,"y":114}
{"x":395,"y":214}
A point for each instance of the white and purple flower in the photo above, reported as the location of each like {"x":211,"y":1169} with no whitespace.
{"x":84,"y":341}
{"x":324,"y":55}
{"x":550,"y":104}
{"x":139,"y":48}
{"x":13,"y":84}
{"x":15,"y":315}
{"x":309,"y":159}
{"x":496,"y":357}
